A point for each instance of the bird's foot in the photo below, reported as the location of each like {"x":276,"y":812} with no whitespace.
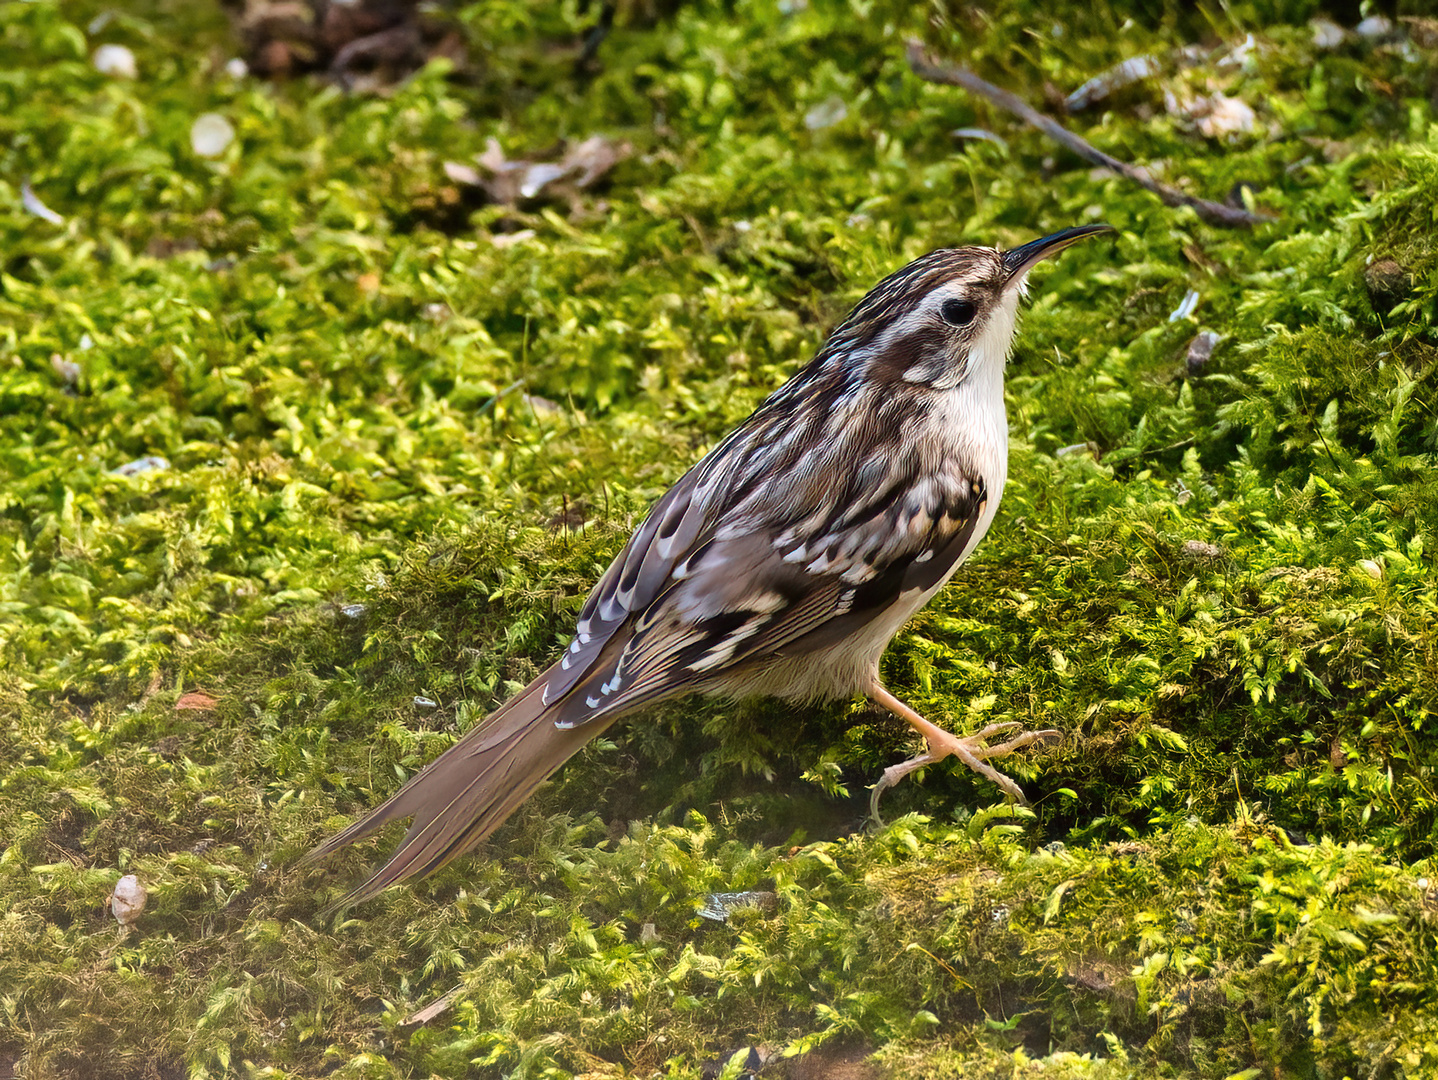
{"x":973,"y":750}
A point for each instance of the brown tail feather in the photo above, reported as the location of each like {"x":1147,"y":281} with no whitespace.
{"x":467,"y":792}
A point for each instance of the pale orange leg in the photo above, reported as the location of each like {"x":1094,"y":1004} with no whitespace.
{"x":970,"y":749}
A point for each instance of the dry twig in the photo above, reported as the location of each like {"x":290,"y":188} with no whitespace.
{"x":952,"y":75}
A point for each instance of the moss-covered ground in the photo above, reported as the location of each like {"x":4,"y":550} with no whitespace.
{"x":405,"y":431}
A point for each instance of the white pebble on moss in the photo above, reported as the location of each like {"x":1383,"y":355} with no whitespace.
{"x":117,"y":61}
{"x":128,"y":900}
{"x":211,"y":134}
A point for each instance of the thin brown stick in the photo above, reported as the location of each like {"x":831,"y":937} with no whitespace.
{"x":952,"y":75}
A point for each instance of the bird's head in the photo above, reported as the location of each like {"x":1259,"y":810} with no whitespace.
{"x":946,"y":316}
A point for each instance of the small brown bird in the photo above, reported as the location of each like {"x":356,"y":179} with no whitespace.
{"x":781,"y":564}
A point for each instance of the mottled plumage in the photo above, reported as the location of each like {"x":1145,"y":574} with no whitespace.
{"x":782,"y":563}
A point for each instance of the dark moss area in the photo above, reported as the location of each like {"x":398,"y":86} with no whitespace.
{"x":403,"y":432}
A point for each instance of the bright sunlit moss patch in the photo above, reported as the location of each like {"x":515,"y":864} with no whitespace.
{"x":307,"y":459}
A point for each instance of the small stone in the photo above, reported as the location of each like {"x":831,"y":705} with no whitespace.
{"x":826,"y":114}
{"x":1327,"y":34}
{"x":116,"y":61}
{"x":1200,"y":350}
{"x":1226,"y":117}
{"x":1388,"y":285}
{"x":153,"y":463}
{"x":211,"y":135}
{"x":1375,"y":27}
{"x":66,"y":369}
{"x":647,"y":934}
{"x":425,"y":703}
{"x":352,"y":611}
{"x":128,"y":900}
{"x":1197,"y":549}
{"x":509,"y":240}
{"x":1372,"y":567}
{"x":236,"y":68}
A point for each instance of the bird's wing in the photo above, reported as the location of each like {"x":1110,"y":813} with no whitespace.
{"x":761,"y":551}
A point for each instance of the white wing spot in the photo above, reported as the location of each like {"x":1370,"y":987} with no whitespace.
{"x":925,"y":557}
{"x":723,"y":650}
{"x":713,"y":657}
{"x":857,"y":574}
{"x":819,"y":565}
{"x":592,"y":702}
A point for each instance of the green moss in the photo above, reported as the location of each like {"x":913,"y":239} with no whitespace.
{"x":399,"y":453}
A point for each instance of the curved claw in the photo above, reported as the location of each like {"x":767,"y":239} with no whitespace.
{"x":892,"y":775}
{"x":972,"y":750}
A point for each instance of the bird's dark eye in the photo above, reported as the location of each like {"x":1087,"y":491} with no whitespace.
{"x":958,"y":312}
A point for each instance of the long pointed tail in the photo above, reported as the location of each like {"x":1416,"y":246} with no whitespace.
{"x":467,"y":792}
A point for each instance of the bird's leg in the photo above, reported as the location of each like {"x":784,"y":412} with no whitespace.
{"x":972,"y":750}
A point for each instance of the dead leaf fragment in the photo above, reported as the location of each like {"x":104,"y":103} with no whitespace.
{"x":197,"y":700}
{"x":519,"y":180}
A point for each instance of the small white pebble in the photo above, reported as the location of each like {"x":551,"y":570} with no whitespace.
{"x":1197,"y":549}
{"x":1327,"y":34}
{"x":236,"y":68}
{"x":826,"y":114}
{"x":128,"y":900}
{"x":508,"y":240}
{"x":1372,"y":567}
{"x":211,"y":134}
{"x":1422,"y":883}
{"x":116,"y":61}
{"x":1227,"y":116}
{"x":425,"y":703}
{"x":1375,"y":26}
{"x":153,"y":463}
{"x":66,"y":369}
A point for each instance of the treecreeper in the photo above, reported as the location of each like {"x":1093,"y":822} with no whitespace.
{"x":781,"y":564}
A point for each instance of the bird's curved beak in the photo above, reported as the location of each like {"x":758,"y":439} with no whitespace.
{"x":1019,"y":261}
